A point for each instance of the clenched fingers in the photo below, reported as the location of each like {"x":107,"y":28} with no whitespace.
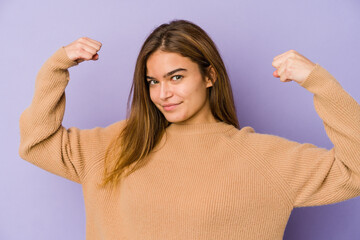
{"x":292,"y":66}
{"x":83,"y":49}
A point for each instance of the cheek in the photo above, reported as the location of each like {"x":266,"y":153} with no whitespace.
{"x":182,"y":92}
{"x":195,"y":92}
{"x":188,"y":91}
{"x":153,"y":95}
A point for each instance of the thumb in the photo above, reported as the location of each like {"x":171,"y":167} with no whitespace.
{"x":95,"y":57}
{"x":275,"y":73}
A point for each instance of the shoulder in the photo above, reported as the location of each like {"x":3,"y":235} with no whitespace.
{"x":259,"y":142}
{"x":238,"y":134}
{"x":272,"y":147}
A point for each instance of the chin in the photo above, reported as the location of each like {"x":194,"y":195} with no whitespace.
{"x":175,"y":119}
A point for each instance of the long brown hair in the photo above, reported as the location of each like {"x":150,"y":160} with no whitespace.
{"x":146,"y":124}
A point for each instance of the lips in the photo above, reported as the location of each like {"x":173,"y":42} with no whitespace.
{"x":171,"y":106}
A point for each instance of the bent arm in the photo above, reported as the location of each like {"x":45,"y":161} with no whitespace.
{"x":69,"y":153}
{"x":317,"y":176}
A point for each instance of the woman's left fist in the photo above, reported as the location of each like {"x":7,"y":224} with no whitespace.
{"x":292,"y":66}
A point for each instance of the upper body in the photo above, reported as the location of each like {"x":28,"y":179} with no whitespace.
{"x":203,"y":181}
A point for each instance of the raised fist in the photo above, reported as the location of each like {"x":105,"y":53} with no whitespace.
{"x":292,"y":66}
{"x":83,"y":49}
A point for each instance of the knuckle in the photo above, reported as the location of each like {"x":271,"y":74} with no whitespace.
{"x":78,"y":44}
{"x":82,"y":39}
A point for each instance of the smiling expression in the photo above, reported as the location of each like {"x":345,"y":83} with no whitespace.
{"x":178,"y":89}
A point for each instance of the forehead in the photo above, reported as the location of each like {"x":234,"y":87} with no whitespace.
{"x":161,"y":62}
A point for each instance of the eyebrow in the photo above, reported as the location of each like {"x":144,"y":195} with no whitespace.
{"x":169,"y":73}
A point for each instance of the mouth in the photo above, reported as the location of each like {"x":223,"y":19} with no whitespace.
{"x":170,"y":107}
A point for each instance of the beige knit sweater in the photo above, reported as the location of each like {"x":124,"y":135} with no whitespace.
{"x":205,"y":181}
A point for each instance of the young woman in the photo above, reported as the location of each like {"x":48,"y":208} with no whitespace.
{"x":179,"y":166}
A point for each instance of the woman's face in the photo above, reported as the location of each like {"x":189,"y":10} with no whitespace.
{"x":178,"y":89}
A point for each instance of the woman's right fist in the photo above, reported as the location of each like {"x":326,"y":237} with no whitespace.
{"x":83,"y":49}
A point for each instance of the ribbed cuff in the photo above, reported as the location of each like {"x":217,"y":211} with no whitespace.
{"x":319,"y":80}
{"x":60,"y":60}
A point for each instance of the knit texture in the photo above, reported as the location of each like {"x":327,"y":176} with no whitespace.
{"x":203,"y":181}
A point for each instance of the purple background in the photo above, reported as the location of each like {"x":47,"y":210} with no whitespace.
{"x":38,"y":205}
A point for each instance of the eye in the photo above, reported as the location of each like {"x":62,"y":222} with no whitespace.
{"x":150,"y":82}
{"x":176,"y":77}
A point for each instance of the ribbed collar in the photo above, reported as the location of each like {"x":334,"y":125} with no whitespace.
{"x":200,"y":128}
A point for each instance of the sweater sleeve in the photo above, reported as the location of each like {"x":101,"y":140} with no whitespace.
{"x":317,"y":176}
{"x":70,"y":153}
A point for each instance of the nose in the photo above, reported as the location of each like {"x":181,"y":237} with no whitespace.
{"x":165,"y":91}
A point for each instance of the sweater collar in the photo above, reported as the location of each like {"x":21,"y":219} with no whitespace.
{"x":199,"y":128}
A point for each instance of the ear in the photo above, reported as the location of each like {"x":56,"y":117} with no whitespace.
{"x":211,"y":76}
